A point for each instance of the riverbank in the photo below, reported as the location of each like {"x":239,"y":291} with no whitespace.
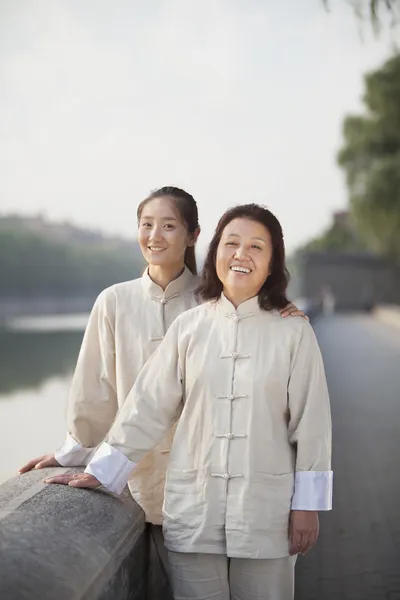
{"x":16,"y":308}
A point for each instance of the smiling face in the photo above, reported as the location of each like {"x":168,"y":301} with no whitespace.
{"x":163,"y":236}
{"x":243,"y":259}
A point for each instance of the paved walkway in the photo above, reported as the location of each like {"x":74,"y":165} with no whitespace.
{"x":358,"y":553}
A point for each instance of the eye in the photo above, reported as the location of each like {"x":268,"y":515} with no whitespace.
{"x":169,"y":226}
{"x":231,"y":244}
{"x":257,"y":247}
{"x":146,"y":225}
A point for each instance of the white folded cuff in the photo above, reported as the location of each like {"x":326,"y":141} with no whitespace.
{"x":313,"y":490}
{"x":110,"y":467}
{"x":72,"y":454}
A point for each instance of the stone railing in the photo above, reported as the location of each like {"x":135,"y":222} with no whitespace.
{"x":59,"y":543}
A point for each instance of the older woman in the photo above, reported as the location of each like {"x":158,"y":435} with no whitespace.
{"x":250,"y":461}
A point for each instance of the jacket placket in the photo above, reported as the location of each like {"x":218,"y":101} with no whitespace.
{"x":162,"y":303}
{"x":229,"y":435}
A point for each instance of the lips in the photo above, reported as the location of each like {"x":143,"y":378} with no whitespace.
{"x":240,"y":269}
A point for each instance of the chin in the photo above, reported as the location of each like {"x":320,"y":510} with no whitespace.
{"x":156,"y":263}
{"x":240,"y":281}
{"x":156,"y":260}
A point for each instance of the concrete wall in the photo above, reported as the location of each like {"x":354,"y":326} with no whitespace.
{"x":59,"y":543}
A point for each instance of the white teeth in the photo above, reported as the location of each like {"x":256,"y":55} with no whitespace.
{"x":241,"y":269}
{"x":155,"y":249}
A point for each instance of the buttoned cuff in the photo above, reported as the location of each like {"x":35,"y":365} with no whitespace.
{"x":313,"y":490}
{"x":72,"y":454}
{"x":111,"y":468}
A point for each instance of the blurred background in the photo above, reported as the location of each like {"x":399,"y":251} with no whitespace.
{"x":292,"y":104}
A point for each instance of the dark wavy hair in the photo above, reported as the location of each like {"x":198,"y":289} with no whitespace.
{"x":187,"y":208}
{"x":273,"y":292}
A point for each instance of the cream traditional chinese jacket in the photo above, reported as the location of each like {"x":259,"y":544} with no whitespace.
{"x":127,"y":323}
{"x":253,"y":439}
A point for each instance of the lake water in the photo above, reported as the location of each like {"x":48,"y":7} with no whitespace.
{"x":37,"y":359}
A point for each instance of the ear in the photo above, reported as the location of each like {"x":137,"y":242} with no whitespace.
{"x":193,"y":237}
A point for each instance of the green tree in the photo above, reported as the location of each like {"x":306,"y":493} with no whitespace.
{"x":34,"y":265}
{"x":370,"y":158}
{"x":335,"y":239}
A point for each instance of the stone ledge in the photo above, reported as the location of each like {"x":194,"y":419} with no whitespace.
{"x":59,"y":543}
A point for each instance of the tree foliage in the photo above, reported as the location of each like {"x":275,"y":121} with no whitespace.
{"x":370,"y":158}
{"x":34,"y":265}
{"x":335,"y":239}
{"x":374,"y":10}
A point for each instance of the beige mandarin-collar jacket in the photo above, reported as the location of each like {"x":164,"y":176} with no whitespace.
{"x":253,"y":440}
{"x":126,"y":325}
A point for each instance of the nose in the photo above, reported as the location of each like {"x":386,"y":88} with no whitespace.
{"x":241,"y":254}
{"x":156,"y":233}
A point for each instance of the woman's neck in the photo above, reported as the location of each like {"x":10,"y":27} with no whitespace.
{"x":237,"y":298}
{"x":163,"y":276}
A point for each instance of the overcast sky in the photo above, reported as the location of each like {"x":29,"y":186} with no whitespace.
{"x":234,"y":100}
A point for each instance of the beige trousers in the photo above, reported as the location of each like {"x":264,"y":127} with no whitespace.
{"x":217,"y":577}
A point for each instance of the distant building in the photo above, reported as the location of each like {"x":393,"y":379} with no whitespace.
{"x":342,"y":218}
{"x":354,"y":280}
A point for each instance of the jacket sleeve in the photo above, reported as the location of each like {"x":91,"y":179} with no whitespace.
{"x":309,"y":428}
{"x":151,"y":408}
{"x":92,"y":403}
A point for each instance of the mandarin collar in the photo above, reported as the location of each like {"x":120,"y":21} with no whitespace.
{"x":245,"y":309}
{"x":185,"y":281}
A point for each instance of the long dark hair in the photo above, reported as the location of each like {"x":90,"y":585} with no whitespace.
{"x":187,"y":208}
{"x":273,"y":292}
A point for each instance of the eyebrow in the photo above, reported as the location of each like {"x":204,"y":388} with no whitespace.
{"x":253,"y":238}
{"x":164,"y":218}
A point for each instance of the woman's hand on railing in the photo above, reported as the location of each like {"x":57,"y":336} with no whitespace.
{"x":42,"y":462}
{"x":80,"y":480}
